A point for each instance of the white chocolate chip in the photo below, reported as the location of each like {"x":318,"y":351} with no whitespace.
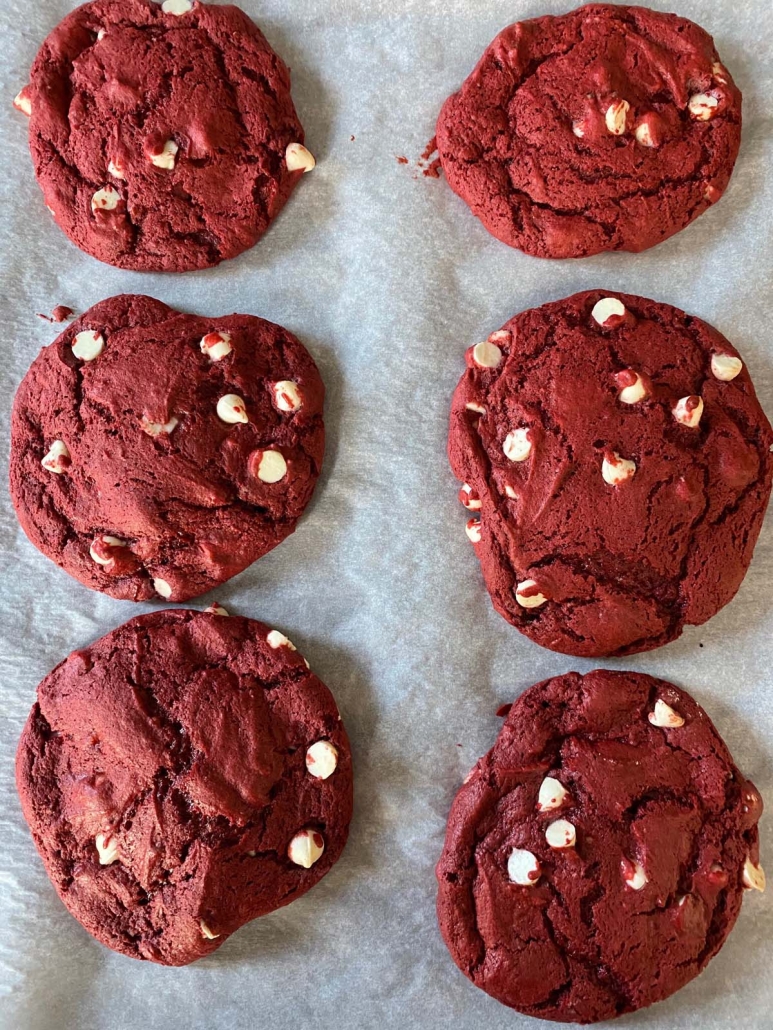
{"x":688,"y":411}
{"x":176,"y":7}
{"x":306,"y":848}
{"x":322,"y":759}
{"x":665,"y":717}
{"x":101,"y":35}
{"x":162,"y":588}
{"x":22,"y":101}
{"x":272,"y":467}
{"x":633,"y":388}
{"x":511,"y":492}
{"x":205,"y":930}
{"x":115,"y":168}
{"x":486,"y":355}
{"x":276,"y":639}
{"x":159,"y":428}
{"x":472,"y":529}
{"x":299,"y":159}
{"x":561,"y":834}
{"x":753,"y":876}
{"x":633,"y":874}
{"x":517,"y":445}
{"x":105,"y":199}
{"x":165,"y":157}
{"x":528,"y":596}
{"x":617,"y":470}
{"x":712,"y":194}
{"x":58,"y":458}
{"x":215,"y":609}
{"x":88,"y":345}
{"x":608,"y":312}
{"x":107,"y":848}
{"x":105,"y":541}
{"x":552,"y":794}
{"x":216,"y":345}
{"x":469,"y":498}
{"x":287,"y":396}
{"x":703,"y":106}
{"x":231,"y":409}
{"x":578,"y":129}
{"x":523,"y":868}
{"x":725,"y":367}
{"x":644,"y":135}
{"x":617,"y":116}
{"x":720,"y":73}
{"x":501,"y":336}
{"x":477,"y":408}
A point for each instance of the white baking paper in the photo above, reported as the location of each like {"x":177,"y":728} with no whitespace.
{"x":387,"y":278}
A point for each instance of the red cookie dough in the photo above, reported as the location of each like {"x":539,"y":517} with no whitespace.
{"x":618,"y":471}
{"x":166,"y":776}
{"x":609,"y":128}
{"x":159,"y":132}
{"x":595,"y":858}
{"x":157,"y":454}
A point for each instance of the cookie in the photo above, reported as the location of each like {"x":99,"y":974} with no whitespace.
{"x":609,"y":128}
{"x":617,"y":466}
{"x":157,"y":454}
{"x":596,"y":857}
{"x":181,"y":776}
{"x":163,"y":136}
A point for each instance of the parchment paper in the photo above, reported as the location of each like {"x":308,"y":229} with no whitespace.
{"x":387,"y":278}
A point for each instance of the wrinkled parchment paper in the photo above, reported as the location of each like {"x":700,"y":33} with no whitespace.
{"x":387,"y":278}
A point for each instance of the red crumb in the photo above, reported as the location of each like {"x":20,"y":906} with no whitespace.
{"x":60,"y":314}
{"x":433,"y":171}
{"x":352,"y":139}
{"x":430,"y":149}
{"x":503,"y":711}
{"x":402,"y":160}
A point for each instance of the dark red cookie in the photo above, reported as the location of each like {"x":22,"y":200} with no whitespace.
{"x":158,"y":454}
{"x":160,"y":132}
{"x":595,"y":858}
{"x":182,"y":776}
{"x":618,"y":466}
{"x":609,"y":128}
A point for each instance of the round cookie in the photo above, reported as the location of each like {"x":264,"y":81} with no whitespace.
{"x":596,"y":857}
{"x":617,"y":464}
{"x":163,"y":136}
{"x":608,"y":128}
{"x":181,"y":776}
{"x":157,"y":454}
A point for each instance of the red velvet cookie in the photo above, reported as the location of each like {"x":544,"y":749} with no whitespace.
{"x":157,"y":454}
{"x":609,"y":128}
{"x":596,"y":857}
{"x":182,"y":776}
{"x":618,"y":466}
{"x":163,"y":136}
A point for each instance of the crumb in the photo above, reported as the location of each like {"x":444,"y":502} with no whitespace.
{"x":402,"y":160}
{"x":60,"y":314}
{"x":352,"y":139}
{"x":433,"y":170}
{"x":430,"y":149}
{"x":503,"y":711}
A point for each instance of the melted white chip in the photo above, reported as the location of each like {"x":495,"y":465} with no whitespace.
{"x":22,"y":101}
{"x":216,"y":345}
{"x":644,"y":135}
{"x":272,"y":467}
{"x":561,"y":834}
{"x":616,"y":117}
{"x":299,"y":159}
{"x":231,"y":409}
{"x":88,"y":345}
{"x":105,"y":199}
{"x":635,"y":390}
{"x":176,"y":7}
{"x":100,"y":543}
{"x":57,"y":459}
{"x":725,"y":367}
{"x":617,"y":470}
{"x":665,"y":717}
{"x":608,"y":312}
{"x":215,"y":609}
{"x":703,"y":106}
{"x":159,"y":428}
{"x":107,"y":848}
{"x":115,"y":168}
{"x":477,"y":408}
{"x":472,"y":529}
{"x":206,"y":932}
{"x":486,"y":355}
{"x":306,"y":848}
{"x":527,"y":595}
{"x":634,"y":875}
{"x":523,"y":868}
{"x":276,"y":639}
{"x":287,"y":396}
{"x":688,"y":411}
{"x":165,"y":158}
{"x":552,"y":794}
{"x":753,"y":876}
{"x":322,"y":759}
{"x":517,"y":445}
{"x":162,"y":588}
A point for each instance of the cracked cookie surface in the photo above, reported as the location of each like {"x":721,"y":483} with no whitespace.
{"x":158,"y":454}
{"x":159,"y":139}
{"x":618,"y":471}
{"x":608,"y":128}
{"x":665,"y":840}
{"x":164,"y":774}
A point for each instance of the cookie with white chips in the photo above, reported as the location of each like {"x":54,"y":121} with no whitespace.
{"x":158,"y":454}
{"x":596,"y":858}
{"x":181,"y":776}
{"x":163,"y":135}
{"x":620,"y":467}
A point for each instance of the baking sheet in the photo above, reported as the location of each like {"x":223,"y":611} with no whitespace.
{"x":387,"y":278}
